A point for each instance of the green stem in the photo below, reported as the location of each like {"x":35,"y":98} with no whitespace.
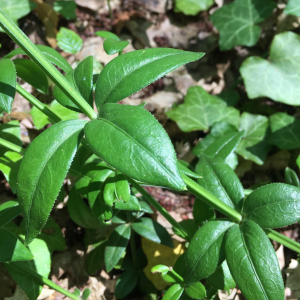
{"x":41,"y":106}
{"x":282,"y":239}
{"x":109,"y":9}
{"x":42,"y":280}
{"x":159,"y":208}
{"x":37,"y":56}
{"x":176,"y":276}
{"x":12,"y":146}
{"x":211,"y":200}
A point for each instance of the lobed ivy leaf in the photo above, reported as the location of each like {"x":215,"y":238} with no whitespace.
{"x":69,"y":41}
{"x":253,"y":262}
{"x":196,"y":291}
{"x":148,"y":152}
{"x":174,"y":292}
{"x":273,"y":205}
{"x":200,"y":110}
{"x":42,"y":171}
{"x":290,"y":177}
{"x":279,"y":76}
{"x":192,"y":7}
{"x":139,"y":69}
{"x":8,"y":211}
{"x":126,"y":283}
{"x":237,"y":22}
{"x":292,"y":8}
{"x":65,"y":8}
{"x":112,"y":46}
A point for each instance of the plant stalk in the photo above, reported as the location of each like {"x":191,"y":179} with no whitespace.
{"x":12,"y":146}
{"x":37,"y":56}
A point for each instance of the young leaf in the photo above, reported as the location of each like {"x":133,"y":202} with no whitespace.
{"x":206,"y":251}
{"x":273,"y":205}
{"x":292,"y":8}
{"x":139,"y":69}
{"x":220,"y":180}
{"x":196,"y":291}
{"x":283,"y":67}
{"x":86,"y":293}
{"x":116,"y":245}
{"x":8,"y":211}
{"x":126,"y":283}
{"x":42,"y":171}
{"x":111,"y":46}
{"x":243,"y":15}
{"x":200,"y":110}
{"x":192,"y":7}
{"x":202,"y":212}
{"x":65,"y":8}
{"x":184,"y":168}
{"x":69,"y":41}
{"x":51,"y":54}
{"x":153,"y":231}
{"x":107,"y":35}
{"x":8,"y":79}
{"x":148,"y":152}
{"x":174,"y":292}
{"x":290,"y":177}
{"x":253,"y":262}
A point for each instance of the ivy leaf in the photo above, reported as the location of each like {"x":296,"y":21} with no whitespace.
{"x":43,"y":170}
{"x":283,"y":67}
{"x":192,"y":7}
{"x":243,"y":15}
{"x":292,"y":8}
{"x":253,"y":262}
{"x":111,"y":46}
{"x":200,"y":110}
{"x":139,"y":69}
{"x":8,"y":211}
{"x":273,"y":205}
{"x":69,"y":41}
{"x":65,"y":8}
{"x":149,"y":153}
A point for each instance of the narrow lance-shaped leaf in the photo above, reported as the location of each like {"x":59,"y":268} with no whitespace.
{"x":139,"y":69}
{"x":42,"y":171}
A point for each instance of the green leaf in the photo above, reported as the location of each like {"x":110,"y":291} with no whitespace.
{"x":31,"y":73}
{"x":146,"y":154}
{"x":253,"y":262}
{"x":65,"y":8}
{"x":200,"y":110}
{"x":95,"y":257}
{"x":51,"y":54}
{"x":132,"y":204}
{"x":160,"y":269}
{"x":8,"y":79}
{"x":11,"y":248}
{"x":190,"y":227}
{"x":222,"y":279}
{"x":111,"y":46}
{"x":126,"y":283}
{"x":279,"y":76}
{"x":292,"y":8}
{"x":116,"y":245}
{"x":174,"y":292}
{"x":241,"y":15}
{"x":107,"y":35}
{"x":185,"y":168}
{"x":273,"y":205}
{"x":220,"y":180}
{"x":11,"y":132}
{"x":122,"y":188}
{"x":145,"y":207}
{"x":253,"y":145}
{"x":202,"y":212}
{"x":153,"y":231}
{"x":43,"y":170}
{"x":290,"y":177}
{"x":85,"y":294}
{"x":139,"y":69}
{"x":192,"y":7}
{"x":196,"y":291}
{"x":285,"y":131}
{"x":69,"y":41}
{"x":206,"y":251}
{"x":8,"y":211}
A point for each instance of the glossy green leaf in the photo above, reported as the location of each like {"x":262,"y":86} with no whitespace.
{"x":86,"y":293}
{"x":69,"y":41}
{"x":109,"y":193}
{"x":8,"y":79}
{"x":222,"y":279}
{"x":160,"y":269}
{"x":200,"y":110}
{"x":139,"y":69}
{"x":51,"y":54}
{"x":184,"y":168}
{"x":116,"y":245}
{"x":11,"y":132}
{"x":146,"y":154}
{"x":279,"y":76}
{"x":153,"y":231}
{"x":107,"y":35}
{"x":11,"y":248}
{"x":8,"y":211}
{"x":253,"y":262}
{"x":145,"y":207}
{"x":174,"y":292}
{"x":292,"y":8}
{"x":206,"y":251}
{"x":190,"y":227}
{"x":31,"y":73}
{"x":43,"y":170}
{"x":285,"y":131}
{"x":220,"y":180}
{"x":290,"y":177}
{"x":65,"y":8}
{"x":95,"y":259}
{"x":111,"y":46}
{"x":126,"y":283}
{"x":122,"y":188}
{"x":237,"y":22}
{"x":132,"y":204}
{"x":9,"y":165}
{"x":202,"y":212}
{"x":192,"y":7}
{"x":196,"y":291}
{"x":253,"y":145}
{"x":273,"y":205}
